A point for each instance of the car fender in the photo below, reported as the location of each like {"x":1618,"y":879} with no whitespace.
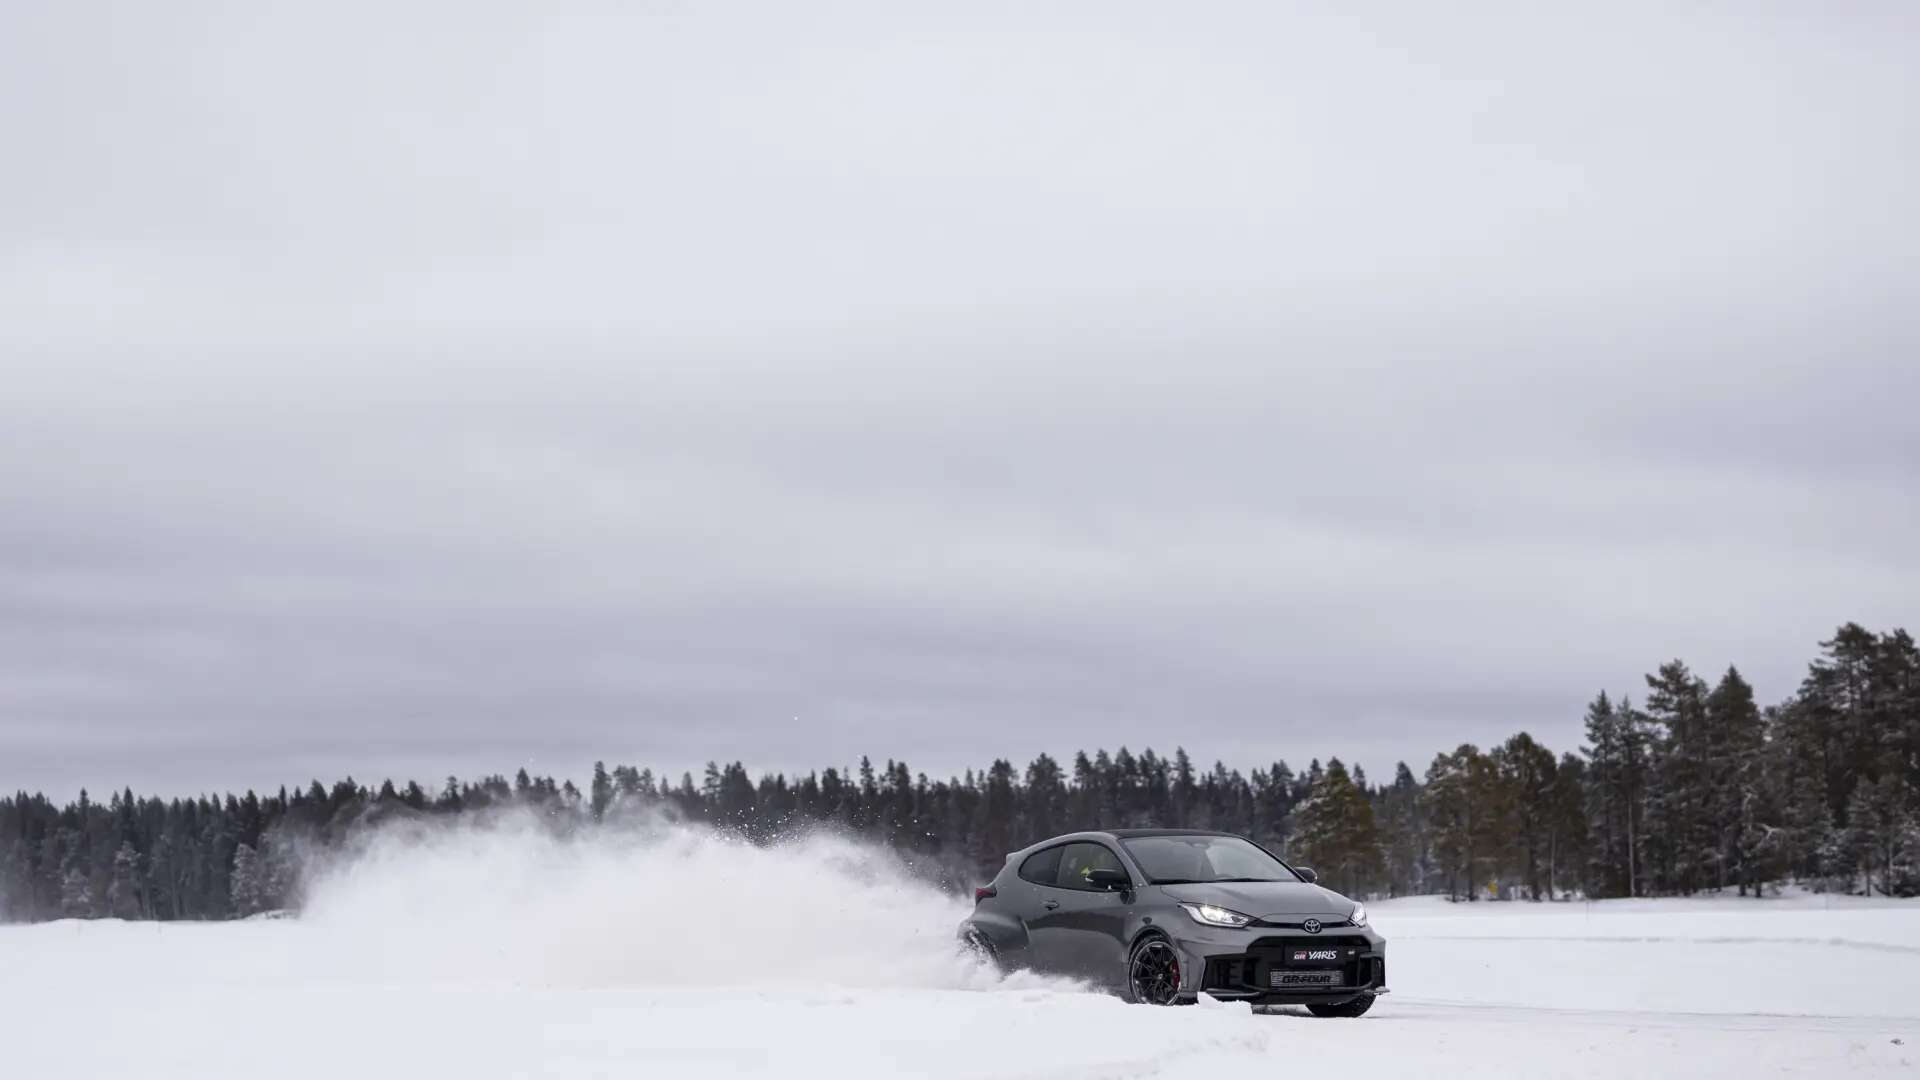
{"x":1007,"y":935}
{"x":1140,"y":927}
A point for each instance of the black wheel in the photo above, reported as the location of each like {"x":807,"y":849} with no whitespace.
{"x":1349,"y":1009}
{"x":1153,"y":973}
{"x":978,"y":947}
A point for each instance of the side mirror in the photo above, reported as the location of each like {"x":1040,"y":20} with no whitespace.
{"x":1306,"y":874}
{"x":1110,"y":879}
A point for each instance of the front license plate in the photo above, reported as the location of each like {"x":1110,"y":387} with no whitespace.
{"x":1306,"y":980}
{"x":1312,"y":956}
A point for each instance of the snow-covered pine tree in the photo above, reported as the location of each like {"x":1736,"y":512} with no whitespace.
{"x":76,"y":894}
{"x":248,"y":888}
{"x":124,"y":886}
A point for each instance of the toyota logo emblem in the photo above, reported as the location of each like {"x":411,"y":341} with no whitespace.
{"x":1311,"y":926}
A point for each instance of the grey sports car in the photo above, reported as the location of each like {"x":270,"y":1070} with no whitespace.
{"x":1164,"y":915}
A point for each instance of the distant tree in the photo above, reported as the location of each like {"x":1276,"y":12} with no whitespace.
{"x":1617,"y":769}
{"x":1083,"y":800}
{"x":1882,"y":830}
{"x":1337,"y":833}
{"x":1467,"y":817}
{"x":1404,"y":827}
{"x":1526,"y":774}
{"x":601,"y":791}
{"x":1735,"y":767}
{"x":76,"y":895}
{"x":249,"y":885}
{"x":1568,"y":851}
{"x":996,"y":815}
{"x":123,"y":888}
{"x":1046,"y":802}
{"x":1185,"y":791}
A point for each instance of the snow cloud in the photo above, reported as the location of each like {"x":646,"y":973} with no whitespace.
{"x":656,"y":905}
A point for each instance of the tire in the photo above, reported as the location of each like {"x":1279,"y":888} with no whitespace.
{"x":980,"y":948}
{"x":1153,"y":973}
{"x":1347,"y":1009}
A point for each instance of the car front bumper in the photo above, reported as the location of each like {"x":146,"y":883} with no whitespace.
{"x":1240,"y":965}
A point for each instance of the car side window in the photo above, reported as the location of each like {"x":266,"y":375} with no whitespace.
{"x":1042,"y":867}
{"x":1079,"y":860}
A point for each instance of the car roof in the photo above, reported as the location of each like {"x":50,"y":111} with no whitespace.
{"x":1127,"y":834}
{"x":1114,"y":834}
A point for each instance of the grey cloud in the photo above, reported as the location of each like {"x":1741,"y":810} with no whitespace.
{"x":440,"y":391}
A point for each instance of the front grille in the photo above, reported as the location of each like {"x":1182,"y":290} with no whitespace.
{"x":1279,"y":945}
{"x":1252,"y":972}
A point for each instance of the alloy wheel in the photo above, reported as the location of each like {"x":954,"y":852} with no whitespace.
{"x":1155,"y":973}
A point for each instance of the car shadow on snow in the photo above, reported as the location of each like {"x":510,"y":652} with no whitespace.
{"x":1299,"y":1011}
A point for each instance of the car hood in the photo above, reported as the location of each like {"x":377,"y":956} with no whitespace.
{"x":1264,"y":899}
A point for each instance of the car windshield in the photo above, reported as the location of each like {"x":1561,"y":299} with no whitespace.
{"x":1175,"y":859}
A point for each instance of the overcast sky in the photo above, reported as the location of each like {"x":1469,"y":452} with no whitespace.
{"x":429,"y":388}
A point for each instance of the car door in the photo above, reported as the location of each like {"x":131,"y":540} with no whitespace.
{"x":1025,"y":898}
{"x":1081,"y":930}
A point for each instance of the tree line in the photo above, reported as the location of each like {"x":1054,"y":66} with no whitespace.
{"x":1694,"y":788}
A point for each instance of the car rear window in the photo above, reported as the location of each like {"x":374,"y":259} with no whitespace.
{"x":1041,"y":867}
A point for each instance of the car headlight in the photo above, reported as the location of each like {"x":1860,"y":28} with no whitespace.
{"x":1209,"y":915}
{"x":1359,"y":914}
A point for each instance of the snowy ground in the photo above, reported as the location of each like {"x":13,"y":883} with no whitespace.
{"x":501,"y":955}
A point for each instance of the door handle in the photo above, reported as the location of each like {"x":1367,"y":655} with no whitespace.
{"x":1051,"y":904}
